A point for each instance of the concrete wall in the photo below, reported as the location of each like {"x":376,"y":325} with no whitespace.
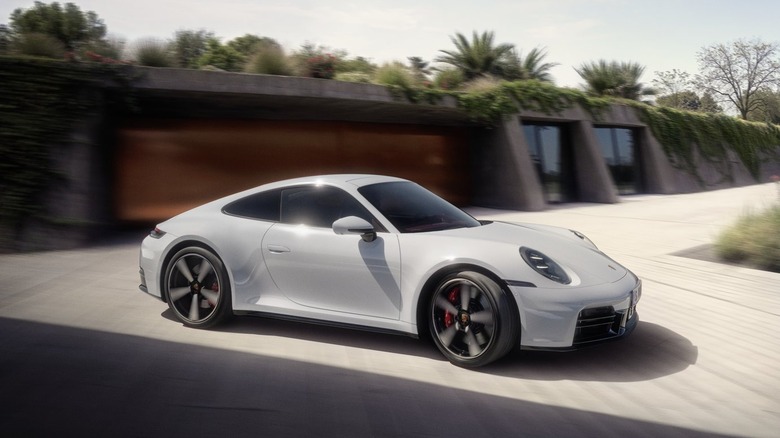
{"x":500,"y":171}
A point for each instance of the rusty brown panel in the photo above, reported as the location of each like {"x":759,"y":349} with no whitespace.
{"x":165,"y":167}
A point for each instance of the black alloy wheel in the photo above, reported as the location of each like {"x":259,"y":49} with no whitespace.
{"x":197,"y":287}
{"x":472,"y":320}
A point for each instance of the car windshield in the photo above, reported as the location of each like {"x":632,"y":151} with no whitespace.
{"x":413,"y":209}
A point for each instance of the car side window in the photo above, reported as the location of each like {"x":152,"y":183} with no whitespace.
{"x":262,"y":206}
{"x":319,"y":206}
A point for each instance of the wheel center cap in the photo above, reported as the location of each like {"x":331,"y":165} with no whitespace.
{"x":195,"y":286}
{"x":464,"y":318}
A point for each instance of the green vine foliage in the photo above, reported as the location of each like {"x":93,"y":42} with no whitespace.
{"x":42,"y":101}
{"x":684,"y":135}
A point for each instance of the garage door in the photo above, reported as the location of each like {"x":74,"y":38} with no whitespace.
{"x":166,"y":167}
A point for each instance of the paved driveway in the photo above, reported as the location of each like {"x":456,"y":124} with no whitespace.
{"x":84,"y":352}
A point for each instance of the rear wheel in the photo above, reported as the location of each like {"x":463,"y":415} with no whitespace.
{"x":472,"y":320}
{"x":197,"y":287}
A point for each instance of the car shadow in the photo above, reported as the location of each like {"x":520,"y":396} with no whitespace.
{"x":61,"y":380}
{"x":650,"y":352}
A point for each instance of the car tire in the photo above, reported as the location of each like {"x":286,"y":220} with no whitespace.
{"x":472,"y":320}
{"x":196,"y":287}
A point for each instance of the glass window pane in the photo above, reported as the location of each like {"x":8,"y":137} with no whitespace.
{"x":530,"y":138}
{"x":319,"y":206}
{"x":625,"y":146}
{"x":604,"y":137}
{"x":262,"y":206}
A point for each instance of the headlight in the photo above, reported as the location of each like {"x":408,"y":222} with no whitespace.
{"x":544,"y":265}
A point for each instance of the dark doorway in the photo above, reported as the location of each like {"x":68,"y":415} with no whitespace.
{"x":618,"y":147}
{"x":552,"y":157}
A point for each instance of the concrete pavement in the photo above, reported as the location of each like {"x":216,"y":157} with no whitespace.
{"x":84,"y":352}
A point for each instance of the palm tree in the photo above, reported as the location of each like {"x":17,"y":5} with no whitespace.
{"x":479,"y":57}
{"x":419,"y":67}
{"x":618,"y":79}
{"x":534,"y":66}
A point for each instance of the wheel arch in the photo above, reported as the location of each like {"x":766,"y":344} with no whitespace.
{"x":429,"y":287}
{"x":173,"y":249}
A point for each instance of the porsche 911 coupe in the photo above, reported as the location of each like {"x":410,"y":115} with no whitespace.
{"x":386,"y":254}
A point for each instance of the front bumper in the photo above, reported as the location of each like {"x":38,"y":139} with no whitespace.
{"x":570,"y":319}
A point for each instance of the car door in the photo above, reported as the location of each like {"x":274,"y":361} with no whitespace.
{"x":315,"y":267}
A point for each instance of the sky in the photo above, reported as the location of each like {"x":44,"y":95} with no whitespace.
{"x":661,"y":35}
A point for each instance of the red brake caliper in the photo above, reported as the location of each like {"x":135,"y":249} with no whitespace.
{"x":449,"y":318}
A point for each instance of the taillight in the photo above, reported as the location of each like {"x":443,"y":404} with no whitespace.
{"x":157,"y":233}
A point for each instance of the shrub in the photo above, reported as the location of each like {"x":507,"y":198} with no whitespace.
{"x":395,"y":74}
{"x":221,"y":57}
{"x":353,"y":76}
{"x":152,"y":52}
{"x":111,"y":48}
{"x":269,"y":59}
{"x":754,"y":240}
{"x":321,"y":66}
{"x":38,"y":44}
{"x":482,"y":84}
{"x":448,"y":79}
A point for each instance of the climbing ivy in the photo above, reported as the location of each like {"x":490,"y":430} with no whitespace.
{"x":42,"y":101}
{"x":684,"y":135}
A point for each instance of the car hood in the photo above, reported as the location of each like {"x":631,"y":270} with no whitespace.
{"x":562,"y":245}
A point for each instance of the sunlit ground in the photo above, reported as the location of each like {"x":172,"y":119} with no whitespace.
{"x":90,"y":354}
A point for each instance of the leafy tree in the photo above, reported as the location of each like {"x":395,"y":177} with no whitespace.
{"x":357,"y":64}
{"x":110,"y":47}
{"x":672,"y":82}
{"x":478,"y":57}
{"x":310,"y":50}
{"x":690,"y":101}
{"x":189,"y":45}
{"x":248,"y":44}
{"x":69,"y":25}
{"x":674,"y":88}
{"x":221,"y":56}
{"x":738,"y":71}
{"x":316,"y":61}
{"x":768,"y":109}
{"x":617,"y":79}
{"x":5,"y":39}
{"x":686,"y":100}
{"x":709,"y":105}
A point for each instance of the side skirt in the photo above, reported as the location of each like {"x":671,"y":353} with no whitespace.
{"x":323,"y":323}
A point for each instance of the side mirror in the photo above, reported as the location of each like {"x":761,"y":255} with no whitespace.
{"x":355,"y":225}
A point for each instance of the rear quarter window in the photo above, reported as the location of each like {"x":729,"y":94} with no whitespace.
{"x":261,"y":206}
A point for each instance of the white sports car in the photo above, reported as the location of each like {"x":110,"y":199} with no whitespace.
{"x":386,"y":254}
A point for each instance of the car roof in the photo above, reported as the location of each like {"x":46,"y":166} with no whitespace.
{"x":357,"y":180}
{"x":338,"y":180}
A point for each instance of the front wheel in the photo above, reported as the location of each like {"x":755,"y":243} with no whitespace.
{"x":472,"y":320}
{"x":197,"y":287}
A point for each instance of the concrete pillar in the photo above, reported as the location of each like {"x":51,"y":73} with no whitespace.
{"x":594,"y":183}
{"x":657,"y":174}
{"x":503,"y":172}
